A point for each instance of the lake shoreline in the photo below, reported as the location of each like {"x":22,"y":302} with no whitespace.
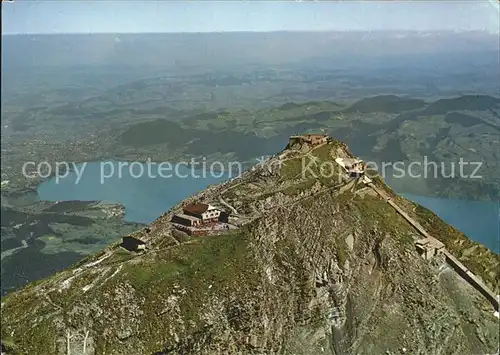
{"x":145,"y":199}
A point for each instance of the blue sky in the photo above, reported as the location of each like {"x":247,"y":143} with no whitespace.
{"x":70,"y":16}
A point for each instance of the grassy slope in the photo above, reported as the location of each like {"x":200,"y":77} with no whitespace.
{"x":222,"y":267}
{"x":479,"y":259}
{"x":223,"y":261}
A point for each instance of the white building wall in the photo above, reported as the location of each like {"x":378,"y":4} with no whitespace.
{"x":211,"y":213}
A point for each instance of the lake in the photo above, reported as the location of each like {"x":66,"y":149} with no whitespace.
{"x":146,"y":198}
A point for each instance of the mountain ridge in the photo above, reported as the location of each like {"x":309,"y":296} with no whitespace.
{"x":318,"y":265}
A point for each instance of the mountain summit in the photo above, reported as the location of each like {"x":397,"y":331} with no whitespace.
{"x":321,"y":258}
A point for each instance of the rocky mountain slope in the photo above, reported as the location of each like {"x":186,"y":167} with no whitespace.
{"x":319,"y":265}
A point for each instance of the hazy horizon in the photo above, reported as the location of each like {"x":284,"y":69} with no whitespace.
{"x":126,"y":17}
{"x":415,"y":31}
